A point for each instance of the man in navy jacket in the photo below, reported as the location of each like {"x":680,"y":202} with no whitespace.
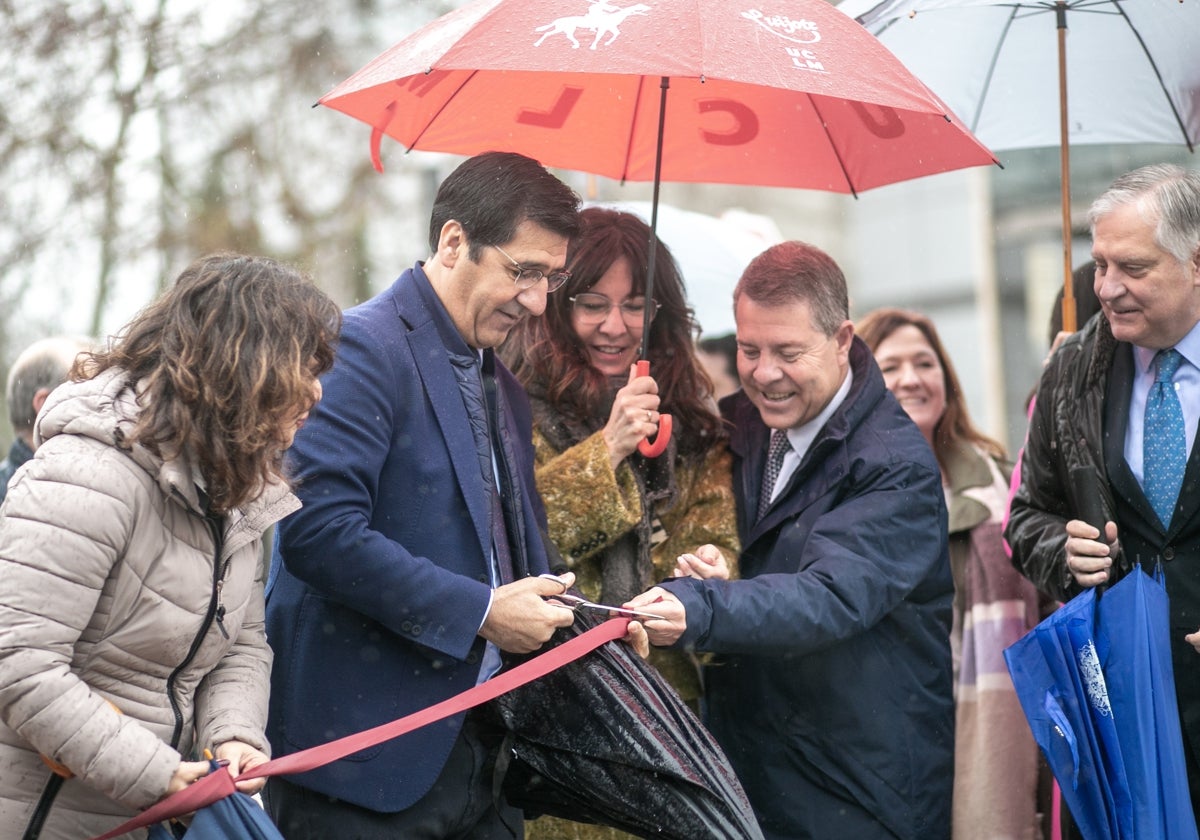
{"x":831,"y":686}
{"x":416,"y":554}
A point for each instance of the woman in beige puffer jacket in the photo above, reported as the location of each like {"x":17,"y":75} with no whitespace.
{"x":130,"y":547}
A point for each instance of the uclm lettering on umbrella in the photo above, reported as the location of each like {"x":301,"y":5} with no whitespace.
{"x":785,"y":28}
{"x":806,"y":60}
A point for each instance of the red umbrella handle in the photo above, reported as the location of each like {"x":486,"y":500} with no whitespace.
{"x":652,"y":449}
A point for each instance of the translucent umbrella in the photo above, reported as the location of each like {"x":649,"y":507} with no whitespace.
{"x":1131,"y":72}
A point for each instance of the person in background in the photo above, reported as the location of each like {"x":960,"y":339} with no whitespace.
{"x":718,"y":354}
{"x":131,"y":581}
{"x":39,"y":369}
{"x":995,"y":757}
{"x":831,"y":686}
{"x":417,"y":555}
{"x":620,"y":520}
{"x":1117,"y":408}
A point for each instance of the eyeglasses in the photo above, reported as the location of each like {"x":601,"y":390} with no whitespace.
{"x":527,"y":278}
{"x":593,"y":309}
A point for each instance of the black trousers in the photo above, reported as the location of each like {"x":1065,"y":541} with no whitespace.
{"x":460,"y":806}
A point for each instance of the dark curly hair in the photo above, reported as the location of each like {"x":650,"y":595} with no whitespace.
{"x":223,"y":360}
{"x":548,"y":351}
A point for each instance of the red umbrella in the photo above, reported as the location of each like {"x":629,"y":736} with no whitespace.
{"x":794,"y":95}
{"x":789,"y":93}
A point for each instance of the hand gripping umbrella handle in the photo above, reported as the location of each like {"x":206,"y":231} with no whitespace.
{"x":652,"y":449}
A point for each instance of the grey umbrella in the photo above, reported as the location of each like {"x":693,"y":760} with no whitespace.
{"x":1126,"y":72}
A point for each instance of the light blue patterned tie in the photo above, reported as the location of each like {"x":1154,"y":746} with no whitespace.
{"x":1164,"y":440}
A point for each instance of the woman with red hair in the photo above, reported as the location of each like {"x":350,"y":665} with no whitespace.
{"x":620,"y":520}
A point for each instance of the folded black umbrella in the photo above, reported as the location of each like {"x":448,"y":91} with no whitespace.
{"x":600,"y":739}
{"x":605,"y":739}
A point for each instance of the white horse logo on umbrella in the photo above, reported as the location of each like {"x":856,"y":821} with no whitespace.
{"x":602,"y":17}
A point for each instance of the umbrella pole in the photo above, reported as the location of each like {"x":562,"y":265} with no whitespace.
{"x":648,"y":449}
{"x":658,"y":153}
{"x":1068,"y":302}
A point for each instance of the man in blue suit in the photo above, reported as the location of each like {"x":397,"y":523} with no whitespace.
{"x":831,"y":687}
{"x":416,"y":554}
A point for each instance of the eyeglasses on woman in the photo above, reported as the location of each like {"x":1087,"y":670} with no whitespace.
{"x":591,"y":308}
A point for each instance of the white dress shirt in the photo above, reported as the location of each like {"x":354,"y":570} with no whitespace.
{"x":801,"y":437}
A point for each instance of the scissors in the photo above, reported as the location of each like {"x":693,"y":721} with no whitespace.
{"x":573,"y":602}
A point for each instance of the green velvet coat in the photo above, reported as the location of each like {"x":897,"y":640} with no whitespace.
{"x":589,"y":506}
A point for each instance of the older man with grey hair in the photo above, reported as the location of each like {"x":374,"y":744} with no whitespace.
{"x":41,"y":367}
{"x":1119,"y":406}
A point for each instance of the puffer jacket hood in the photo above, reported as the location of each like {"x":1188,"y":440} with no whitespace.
{"x":106,"y":409}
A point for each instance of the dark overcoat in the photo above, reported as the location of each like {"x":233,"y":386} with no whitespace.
{"x":1074,"y":467}
{"x":831,"y":692}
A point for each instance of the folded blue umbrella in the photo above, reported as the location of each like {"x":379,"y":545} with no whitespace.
{"x":1051,"y":688}
{"x":1095,"y":682}
{"x":1133,"y":627}
{"x":236,"y":817}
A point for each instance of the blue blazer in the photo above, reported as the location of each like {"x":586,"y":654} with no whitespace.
{"x":380,"y":583}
